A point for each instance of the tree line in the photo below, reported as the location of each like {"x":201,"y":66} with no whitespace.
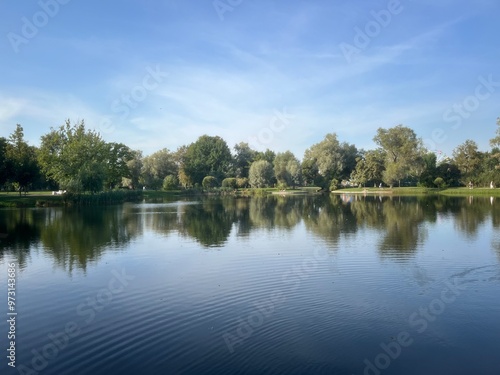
{"x":77,"y":159}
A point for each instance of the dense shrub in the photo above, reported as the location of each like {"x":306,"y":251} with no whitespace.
{"x":170,"y":182}
{"x":334,"y":185}
{"x":209,"y":182}
{"x":242,"y":183}
{"x":439,"y":182}
{"x":230,"y":182}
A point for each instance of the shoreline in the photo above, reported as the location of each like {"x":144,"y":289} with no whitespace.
{"x":460,"y":191}
{"x":46,"y":199}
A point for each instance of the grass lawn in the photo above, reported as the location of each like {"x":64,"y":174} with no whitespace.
{"x":461,"y":191}
{"x":46,"y":199}
{"x":32,"y":199}
{"x":476,"y":191}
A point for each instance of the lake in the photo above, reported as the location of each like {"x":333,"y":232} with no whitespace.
{"x":263,"y":285}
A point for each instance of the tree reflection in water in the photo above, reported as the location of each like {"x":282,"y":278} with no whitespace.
{"x":75,"y":237}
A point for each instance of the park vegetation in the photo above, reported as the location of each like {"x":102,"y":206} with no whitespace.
{"x":77,"y":160}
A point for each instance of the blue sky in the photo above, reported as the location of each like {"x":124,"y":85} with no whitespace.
{"x":279,"y":75}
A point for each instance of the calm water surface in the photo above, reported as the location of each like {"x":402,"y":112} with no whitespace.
{"x":269,"y":285}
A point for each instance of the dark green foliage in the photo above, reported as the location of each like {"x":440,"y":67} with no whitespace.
{"x":450,"y":173}
{"x":428,"y":175}
{"x":21,"y":166}
{"x":244,"y":157}
{"x":208,"y":156}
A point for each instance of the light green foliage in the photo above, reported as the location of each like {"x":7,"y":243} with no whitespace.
{"x":468,"y":160}
{"x":334,"y":184}
{"x":439,"y":182}
{"x":242,"y":183}
{"x":403,"y":153}
{"x":156,"y":167}
{"x":76,"y":158}
{"x":179,"y":158}
{"x":287,"y":169}
{"x":369,"y":167}
{"x":495,"y":143}
{"x":230,"y":182}
{"x":184,"y":179}
{"x":170,"y":182}
{"x":329,"y":159}
{"x":261,"y":174}
{"x":209,"y":182}
{"x":267,"y":155}
{"x":134,"y":166}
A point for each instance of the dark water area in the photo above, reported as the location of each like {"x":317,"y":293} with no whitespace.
{"x":261,"y":285}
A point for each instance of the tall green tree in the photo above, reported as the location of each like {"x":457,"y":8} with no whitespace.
{"x":156,"y":167}
{"x":5,"y":169}
{"x":180,"y":160}
{"x":243,"y":158}
{"x":429,"y":173}
{"x":468,"y":159}
{"x":403,"y":153}
{"x":134,"y":166}
{"x":76,"y":158}
{"x":369,"y":167}
{"x":449,"y":172}
{"x":287,"y":169}
{"x":495,"y":143}
{"x":260,"y":174}
{"x":267,"y":155}
{"x":22,"y":160}
{"x":208,"y":156}
{"x":350,"y":155}
{"x":118,"y":157}
{"x":329,"y":159}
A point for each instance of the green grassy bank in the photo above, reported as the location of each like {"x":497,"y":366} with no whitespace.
{"x":46,"y":199}
{"x":460,"y":191}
